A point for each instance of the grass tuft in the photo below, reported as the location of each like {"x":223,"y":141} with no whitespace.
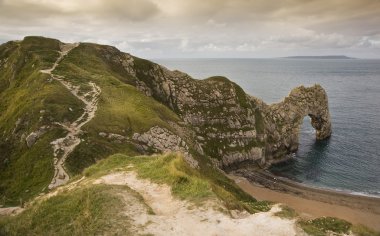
{"x":321,"y":226}
{"x":83,"y":211}
{"x":167,"y":169}
{"x":286,"y":212}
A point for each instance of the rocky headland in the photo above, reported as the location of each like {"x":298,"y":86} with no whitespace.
{"x":143,"y":108}
{"x":90,"y":110}
{"x":230,"y":126}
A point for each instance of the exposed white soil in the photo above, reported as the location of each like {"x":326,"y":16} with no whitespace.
{"x":6,"y":211}
{"x":64,"y":146}
{"x":177,"y":217}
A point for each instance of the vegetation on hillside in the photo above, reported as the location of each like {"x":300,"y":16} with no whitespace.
{"x":286,"y":212}
{"x":330,"y":225}
{"x":186,"y":182}
{"x":89,"y":210}
{"x":122,"y":108}
{"x":30,"y":100}
{"x":95,"y":209}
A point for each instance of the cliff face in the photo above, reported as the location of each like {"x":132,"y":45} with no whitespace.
{"x":230,"y":126}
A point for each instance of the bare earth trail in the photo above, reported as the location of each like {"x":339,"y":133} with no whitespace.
{"x":64,"y":146}
{"x":173,"y":216}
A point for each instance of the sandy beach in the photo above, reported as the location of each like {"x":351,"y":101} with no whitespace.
{"x":310,"y":202}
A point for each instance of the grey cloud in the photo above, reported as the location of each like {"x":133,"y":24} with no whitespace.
{"x":205,"y":28}
{"x":30,"y":12}
{"x":336,"y":15}
{"x":136,"y":10}
{"x":23,"y":11}
{"x":317,"y":41}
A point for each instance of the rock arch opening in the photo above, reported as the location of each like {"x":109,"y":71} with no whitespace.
{"x":287,"y":117}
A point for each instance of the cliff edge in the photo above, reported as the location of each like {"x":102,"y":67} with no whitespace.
{"x":66,"y":106}
{"x":232,"y":127}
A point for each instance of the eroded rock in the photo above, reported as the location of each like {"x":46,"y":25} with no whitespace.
{"x":230,"y":125}
{"x":34,"y":136}
{"x":162,"y":140}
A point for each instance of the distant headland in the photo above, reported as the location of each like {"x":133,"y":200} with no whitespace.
{"x":321,"y":57}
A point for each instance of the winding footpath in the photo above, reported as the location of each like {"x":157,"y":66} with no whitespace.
{"x":64,"y":146}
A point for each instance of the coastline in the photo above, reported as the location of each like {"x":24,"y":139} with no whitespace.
{"x":308,"y":201}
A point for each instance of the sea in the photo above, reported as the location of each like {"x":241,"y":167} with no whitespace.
{"x":350,"y":160}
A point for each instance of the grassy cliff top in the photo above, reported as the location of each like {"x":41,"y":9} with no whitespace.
{"x":84,"y":208}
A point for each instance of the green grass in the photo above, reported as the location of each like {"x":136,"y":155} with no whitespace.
{"x":28,"y":171}
{"x":25,"y":172}
{"x":171,"y":169}
{"x":82,"y":211}
{"x":286,"y":212}
{"x":361,"y":230}
{"x":24,"y":92}
{"x":260,"y":125}
{"x":320,"y":226}
{"x":168,"y":169}
{"x":95,"y":209}
{"x":92,"y":149}
{"x":122,"y":109}
{"x":187,"y":183}
{"x":121,"y":105}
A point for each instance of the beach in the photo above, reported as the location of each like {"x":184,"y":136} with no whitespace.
{"x":309,"y":202}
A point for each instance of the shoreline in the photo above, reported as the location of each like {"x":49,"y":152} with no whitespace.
{"x":309,"y":202}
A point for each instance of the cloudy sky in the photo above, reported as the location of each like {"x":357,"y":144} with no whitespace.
{"x":203,"y":28}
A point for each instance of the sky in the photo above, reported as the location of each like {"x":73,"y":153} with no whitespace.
{"x":203,"y":28}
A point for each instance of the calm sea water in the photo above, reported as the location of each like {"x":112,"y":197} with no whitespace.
{"x":350,"y":159}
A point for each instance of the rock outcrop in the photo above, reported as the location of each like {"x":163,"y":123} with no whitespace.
{"x":226,"y":124}
{"x":159,"y":139}
{"x":32,"y":138}
{"x":230,"y":126}
{"x":116,"y":138}
{"x":284,"y":120}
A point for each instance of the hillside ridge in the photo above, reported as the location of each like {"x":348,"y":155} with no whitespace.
{"x":71,"y":140}
{"x":143,"y":108}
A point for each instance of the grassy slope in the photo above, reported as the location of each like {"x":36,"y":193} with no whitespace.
{"x":25,"y":172}
{"x":96,"y":209}
{"x":83,"y":211}
{"x":187,"y":183}
{"x":25,"y":92}
{"x":325,"y":225}
{"x":122,"y":108}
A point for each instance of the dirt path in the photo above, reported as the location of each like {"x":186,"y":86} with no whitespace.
{"x":6,"y":211}
{"x":177,"y":217}
{"x":64,"y":146}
